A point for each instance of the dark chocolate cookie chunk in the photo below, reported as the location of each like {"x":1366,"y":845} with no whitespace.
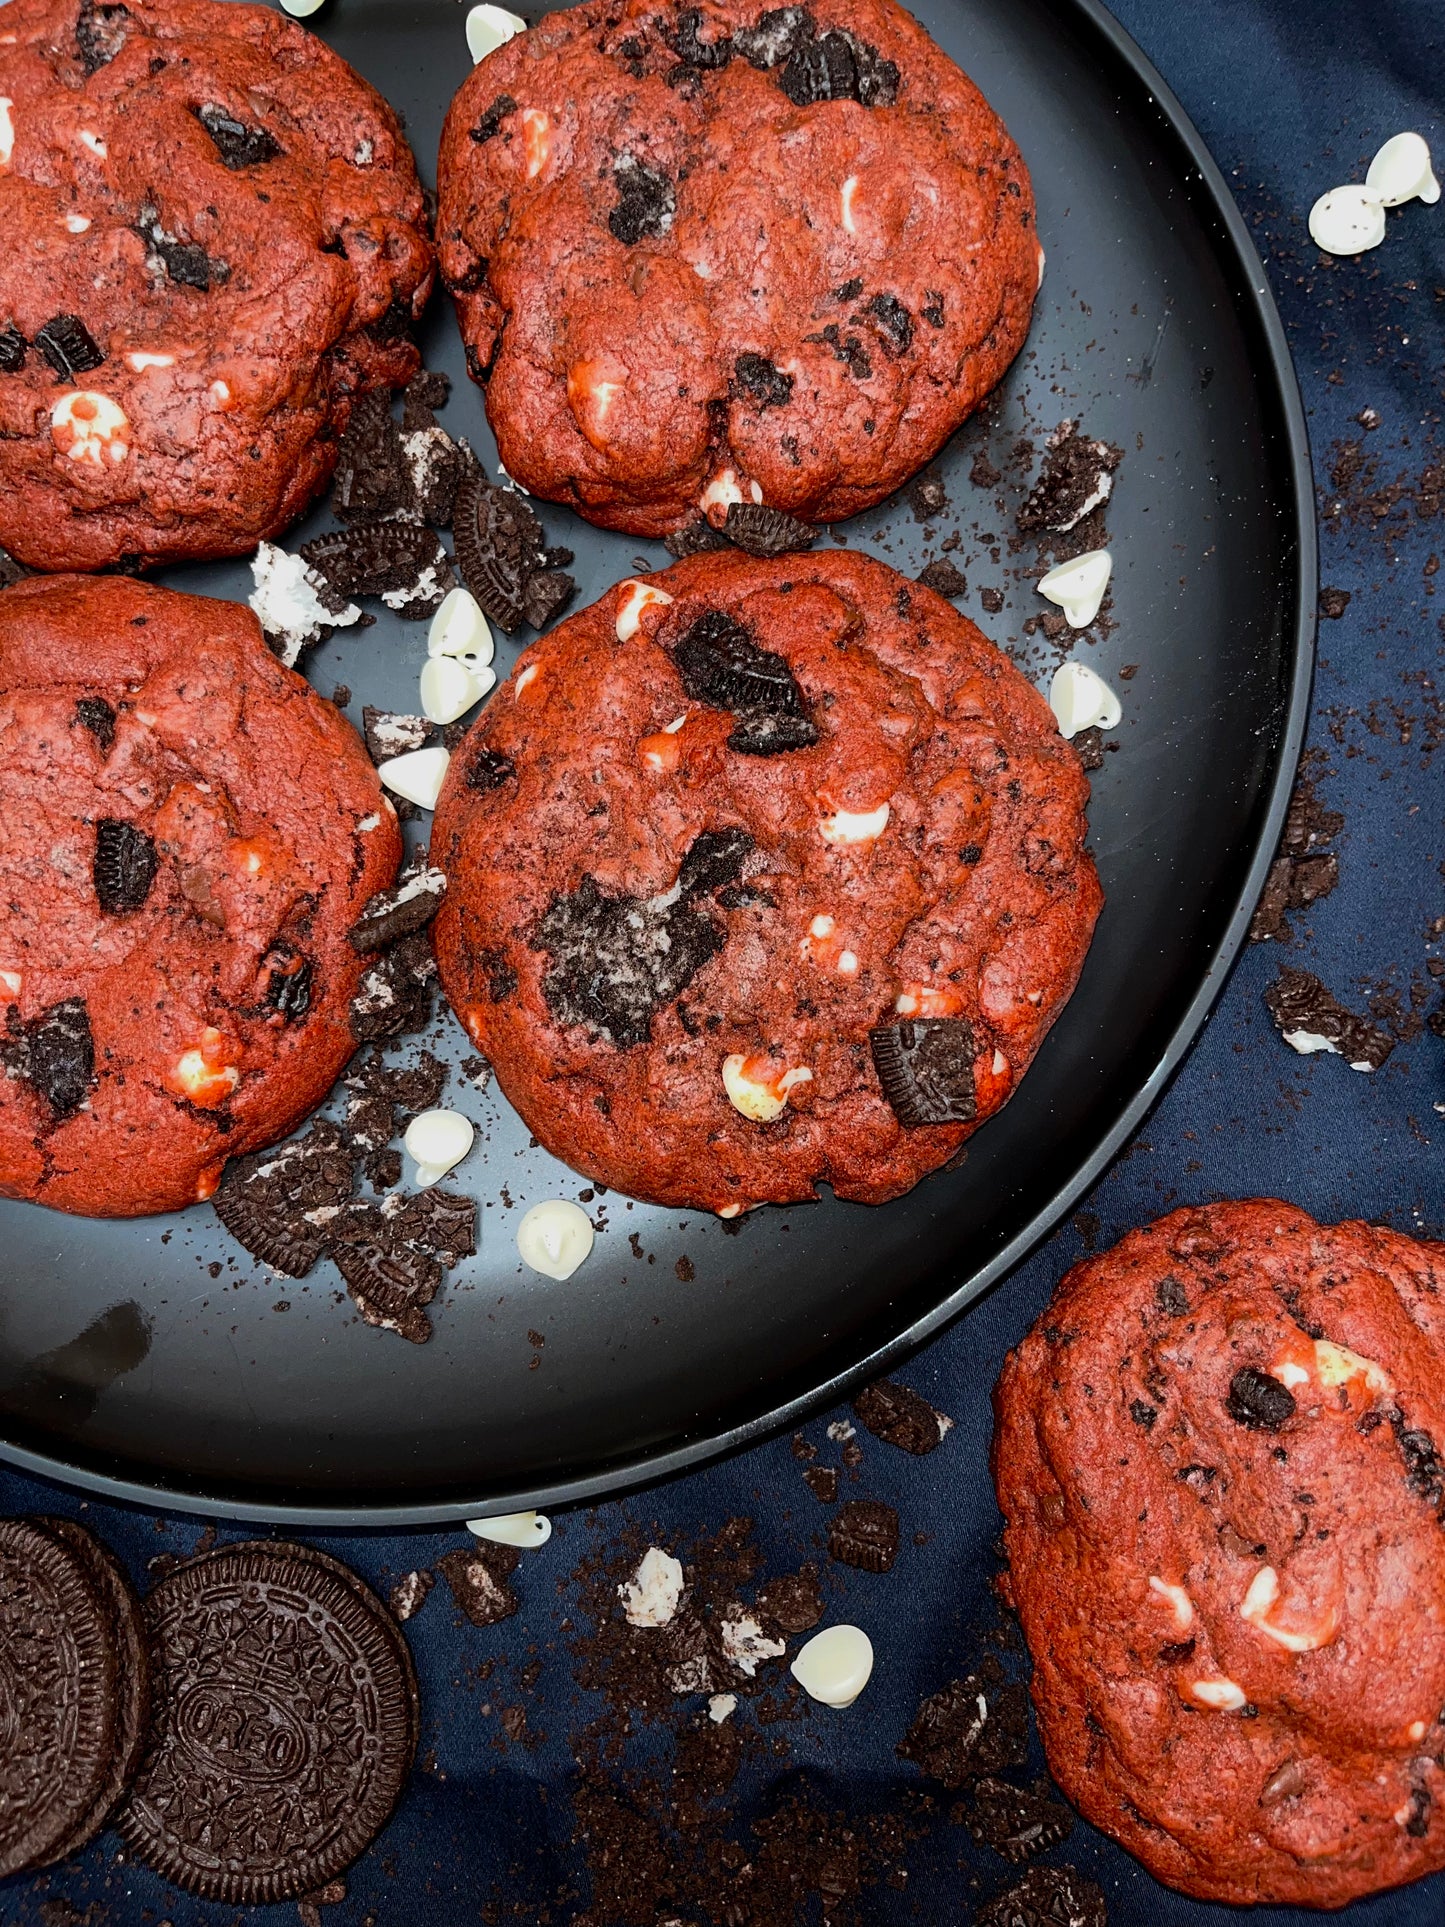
{"x":54,"y":1053}
{"x":398,"y":559}
{"x":74,"y":1689}
{"x":242,"y":247}
{"x":898,"y":1416}
{"x":125,"y":865}
{"x":1017,"y":1823}
{"x":1311,"y":1018}
{"x":279,"y":1204}
{"x":587,"y":171}
{"x":1047,"y":1897}
{"x":1077,"y":477}
{"x":865,"y":1534}
{"x":478,"y":1582}
{"x":408,"y":906}
{"x":972,"y":1727}
{"x":285,"y":1724}
{"x":503,"y":556}
{"x":925,"y":1066}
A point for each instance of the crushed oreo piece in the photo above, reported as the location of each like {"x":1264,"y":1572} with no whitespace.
{"x":501,"y":553}
{"x":400,"y":560}
{"x":944,"y":577}
{"x":758,"y":530}
{"x":932,"y":309}
{"x":772,"y":39}
{"x":1016,"y":1823}
{"x":279,"y":1203}
{"x":185,"y":262}
{"x":96,"y":714}
{"x":1424,"y":1469}
{"x":897,"y":1415}
{"x":762,"y":381}
{"x":409,"y":905}
{"x":820,"y":68}
{"x":289,"y":986}
{"x":371,"y":474}
{"x":478,"y":1582}
{"x":715,"y":858}
{"x":489,"y":769}
{"x":1089,"y":746}
{"x":848,"y":349}
{"x":1310,"y":1019}
{"x":646,"y":201}
{"x":695,"y":538}
{"x":822,"y":1482}
{"x":1305,"y":869}
{"x":490,"y":124}
{"x":1333,"y":603}
{"x":1258,"y":1401}
{"x":974,"y":1726}
{"x":793,"y":1603}
{"x":877,"y":78}
{"x":864,"y":1534}
{"x":390,"y":1288}
{"x":547,"y":594}
{"x":894,"y":320}
{"x":100,"y":33}
{"x":408,"y":1595}
{"x":394,"y":996}
{"x":237,"y":144}
{"x":760,"y":733}
{"x":389,"y":733}
{"x":382,"y":1099}
{"x":1077,"y":477}
{"x":13,"y":347}
{"x":616,"y":960}
{"x":687,"y":43}
{"x":67,"y":345}
{"x":435,"y":466}
{"x":925,"y":1066}
{"x":720,"y":665}
{"x":124,"y":867}
{"x":1171,"y":1298}
{"x":54,"y":1053}
{"x":1047,"y":1897}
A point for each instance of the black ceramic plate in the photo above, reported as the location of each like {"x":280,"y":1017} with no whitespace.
{"x":155,"y":1358}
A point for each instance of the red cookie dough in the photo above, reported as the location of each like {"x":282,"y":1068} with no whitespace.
{"x":1217,"y":1457}
{"x":636,"y":903}
{"x":687,"y":280}
{"x":231,"y":218}
{"x":187,"y":832}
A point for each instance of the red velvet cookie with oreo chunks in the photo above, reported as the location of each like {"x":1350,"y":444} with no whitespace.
{"x":215,"y":241}
{"x":762,"y":874}
{"x":714,"y":255}
{"x":1218,"y":1456}
{"x":187,"y":833}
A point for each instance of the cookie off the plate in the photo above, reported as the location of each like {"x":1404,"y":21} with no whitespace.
{"x":215,"y":241}
{"x":187,"y":835}
{"x":721,"y":256}
{"x":1217,"y":1454}
{"x":761,"y":874}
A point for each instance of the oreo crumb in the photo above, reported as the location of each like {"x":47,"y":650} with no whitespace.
{"x":390,"y":734}
{"x":925,"y":1066}
{"x":276,"y":1203}
{"x":944,"y":577}
{"x":96,"y":714}
{"x":646,"y":201}
{"x":1311,"y":1019}
{"x":865,"y":1535}
{"x":1258,"y":1401}
{"x":490,"y":123}
{"x":409,"y":1594}
{"x":54,"y":1053}
{"x":478,"y":1582}
{"x":1047,"y":1897}
{"x":409,"y":905}
{"x":1333,"y":603}
{"x":67,"y":345}
{"x":124,"y":867}
{"x":237,"y":144}
{"x":1077,"y":477}
{"x":1015,"y":1823}
{"x":899,"y":1416}
{"x":973,"y":1727}
{"x":762,"y":381}
{"x":758,"y":530}
{"x":501,"y":554}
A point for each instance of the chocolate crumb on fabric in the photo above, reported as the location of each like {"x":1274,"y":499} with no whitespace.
{"x":864,"y":1534}
{"x":1305,"y":869}
{"x":822,"y":1482}
{"x":1333,"y":603}
{"x":1310,"y":1018}
{"x":1047,"y":1897}
{"x":899,"y":1416}
{"x":973,"y":1727}
{"x":479,"y":1581}
{"x":1017,"y":1823}
{"x":409,"y":1594}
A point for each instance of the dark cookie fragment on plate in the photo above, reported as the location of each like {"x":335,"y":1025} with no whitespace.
{"x":409,"y":1594}
{"x":54,"y":1053}
{"x":68,"y":346}
{"x":478,"y":1582}
{"x":944,"y":577}
{"x":395,"y":994}
{"x":392,"y":1255}
{"x":1016,"y":1822}
{"x":974,"y":1726}
{"x":125,"y":866}
{"x":1047,"y":1897}
{"x":1077,"y":477}
{"x":758,"y":530}
{"x":503,"y":556}
{"x":279,"y":1204}
{"x":371,"y":473}
{"x":400,"y":560}
{"x":695,"y":538}
{"x":865,"y":1534}
{"x":925,"y":1066}
{"x":1310,"y":1019}
{"x":409,"y":905}
{"x":897,"y":1415}
{"x":237,"y":144}
{"x":389,"y":733}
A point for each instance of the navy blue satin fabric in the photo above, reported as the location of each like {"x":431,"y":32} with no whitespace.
{"x":1292,"y":99}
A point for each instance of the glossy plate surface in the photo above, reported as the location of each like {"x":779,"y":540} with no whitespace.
{"x":155,"y":1358}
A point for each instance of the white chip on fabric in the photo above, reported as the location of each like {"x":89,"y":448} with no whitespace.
{"x":650,"y":1598}
{"x":555,"y":1237}
{"x":1081,"y":699}
{"x":1077,"y":586}
{"x":524,"y":1529}
{"x":418,"y":776}
{"x":438,"y":1140}
{"x":1401,"y":171}
{"x":835,"y":1665}
{"x":1347,"y":220}
{"x":721,"y":1707}
{"x":302,"y":9}
{"x":489,"y":28}
{"x":449,"y":689}
{"x":460,"y":629}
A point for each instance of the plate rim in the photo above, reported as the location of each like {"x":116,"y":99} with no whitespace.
{"x":651,"y":1468}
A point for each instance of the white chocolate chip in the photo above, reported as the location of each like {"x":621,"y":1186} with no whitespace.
{"x":489,"y":28}
{"x":721,"y":1707}
{"x":1347,"y":220}
{"x":77,"y":223}
{"x":849,"y":827}
{"x":449,"y":688}
{"x":731,"y":1210}
{"x":821,"y":927}
{"x":1077,"y":587}
{"x":1289,"y":1374}
{"x":1042,"y":259}
{"x":1178,"y":1601}
{"x":636,"y":596}
{"x":536,"y":140}
{"x":12,"y":981}
{"x":368,"y":823}
{"x":761,"y":1099}
{"x":460,"y":629}
{"x":525,"y":679}
{"x":302,"y":9}
{"x":1338,"y":1365}
{"x":555,"y":1237}
{"x":7,"y":130}
{"x":525,"y":1529}
{"x":91,"y":428}
{"x":1081,"y":699}
{"x":835,"y":1665}
{"x":724,"y":489}
{"x":222,"y":400}
{"x":651,"y":1597}
{"x":1220,"y":1694}
{"x":745,"y":1643}
{"x":1259,"y":1602}
{"x":200,"y":1080}
{"x":438,"y":1140}
{"x":845,"y":200}
{"x":418,"y":776}
{"x":1401,"y":171}
{"x":93,"y":142}
{"x":847,"y":963}
{"x":139,"y":359}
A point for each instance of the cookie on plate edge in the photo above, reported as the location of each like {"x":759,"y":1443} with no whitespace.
{"x":215,"y":241}
{"x":187,"y":834}
{"x":762,"y":874}
{"x":1217,"y":1455}
{"x":720,"y":256}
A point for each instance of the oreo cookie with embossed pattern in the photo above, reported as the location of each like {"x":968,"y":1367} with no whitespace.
{"x":285,"y":1724}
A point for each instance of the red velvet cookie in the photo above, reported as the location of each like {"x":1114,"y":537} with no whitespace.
{"x":719,"y":255}
{"x":1217,"y":1455}
{"x":187,"y":833}
{"x":214,"y":241}
{"x":762,"y":874}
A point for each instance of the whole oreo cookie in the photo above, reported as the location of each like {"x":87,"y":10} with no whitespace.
{"x":745,"y":270}
{"x":187,"y":836}
{"x":74,"y":1689}
{"x":1218,"y":1455}
{"x":285,"y":1724}
{"x":761,"y":874}
{"x":217,"y":242}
